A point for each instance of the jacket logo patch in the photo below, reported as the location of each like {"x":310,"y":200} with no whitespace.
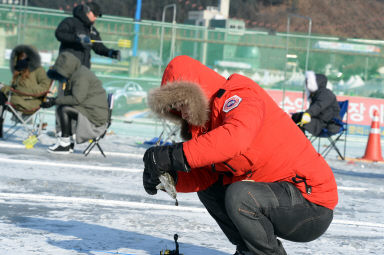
{"x":231,"y":103}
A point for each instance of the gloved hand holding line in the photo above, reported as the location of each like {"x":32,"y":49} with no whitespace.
{"x":84,"y":39}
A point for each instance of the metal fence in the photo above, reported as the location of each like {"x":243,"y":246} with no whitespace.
{"x":274,"y":60}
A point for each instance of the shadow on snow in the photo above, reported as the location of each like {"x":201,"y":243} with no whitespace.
{"x":93,"y":239}
{"x":358,"y":174}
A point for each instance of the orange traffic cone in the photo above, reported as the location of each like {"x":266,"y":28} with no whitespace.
{"x":373,"y":149}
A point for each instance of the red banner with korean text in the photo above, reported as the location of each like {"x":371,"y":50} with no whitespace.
{"x":360,"y":110}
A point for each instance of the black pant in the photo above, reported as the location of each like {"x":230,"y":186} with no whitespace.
{"x":66,"y":114}
{"x":3,"y":100}
{"x":253,"y":214}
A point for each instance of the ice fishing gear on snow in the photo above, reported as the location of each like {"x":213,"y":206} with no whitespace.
{"x":172,"y":252}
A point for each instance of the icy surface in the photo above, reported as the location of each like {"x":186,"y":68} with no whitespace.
{"x":71,"y":204}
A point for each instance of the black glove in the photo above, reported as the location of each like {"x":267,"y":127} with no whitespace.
{"x":84,"y":39}
{"x":162,"y":159}
{"x":150,"y":183}
{"x":114,"y":54}
{"x":48,"y":102}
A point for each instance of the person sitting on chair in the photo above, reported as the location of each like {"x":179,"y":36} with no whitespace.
{"x":86,"y":103}
{"x":29,"y":82}
{"x":323,"y":107}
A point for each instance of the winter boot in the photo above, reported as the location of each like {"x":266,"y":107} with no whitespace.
{"x":62,"y":146}
{"x":72,"y":141}
{"x":71,"y":147}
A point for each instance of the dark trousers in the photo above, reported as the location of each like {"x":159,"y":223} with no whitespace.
{"x":3,"y":100}
{"x":253,"y":214}
{"x":67,"y":115}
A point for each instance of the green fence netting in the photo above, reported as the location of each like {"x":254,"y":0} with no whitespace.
{"x":274,"y":60}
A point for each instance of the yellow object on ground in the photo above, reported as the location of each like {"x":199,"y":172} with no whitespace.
{"x":30,"y":142}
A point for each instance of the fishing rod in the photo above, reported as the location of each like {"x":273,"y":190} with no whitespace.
{"x":121,"y":43}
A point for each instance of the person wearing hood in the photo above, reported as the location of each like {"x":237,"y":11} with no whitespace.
{"x":86,"y":100}
{"x":76,"y":34}
{"x":256,"y":173}
{"x":323,"y":108}
{"x":29,"y":83}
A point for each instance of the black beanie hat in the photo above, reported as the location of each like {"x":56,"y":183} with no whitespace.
{"x":95,"y":8}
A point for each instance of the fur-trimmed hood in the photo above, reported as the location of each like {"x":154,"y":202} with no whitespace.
{"x":165,"y":99}
{"x":34,"y":60}
{"x":187,"y":82}
{"x":315,"y":82}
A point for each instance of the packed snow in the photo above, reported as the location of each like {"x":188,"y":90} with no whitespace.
{"x":72,"y":204}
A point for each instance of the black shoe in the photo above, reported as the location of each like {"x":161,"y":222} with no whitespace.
{"x":71,"y":147}
{"x":60,"y":150}
{"x":62,"y":146}
{"x":1,"y":127}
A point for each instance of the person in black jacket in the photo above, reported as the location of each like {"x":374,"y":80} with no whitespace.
{"x":323,"y":107}
{"x":76,"y":34}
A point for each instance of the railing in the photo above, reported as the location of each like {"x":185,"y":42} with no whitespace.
{"x":352,"y":65}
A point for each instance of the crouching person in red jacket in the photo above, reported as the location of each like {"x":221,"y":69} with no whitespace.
{"x":253,"y":169}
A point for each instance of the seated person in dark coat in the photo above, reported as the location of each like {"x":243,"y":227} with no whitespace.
{"x":323,"y":108}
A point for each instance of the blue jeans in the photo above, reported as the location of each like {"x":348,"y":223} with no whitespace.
{"x":253,"y":214}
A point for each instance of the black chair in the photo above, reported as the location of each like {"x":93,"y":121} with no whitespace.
{"x":95,"y":141}
{"x":333,"y":138}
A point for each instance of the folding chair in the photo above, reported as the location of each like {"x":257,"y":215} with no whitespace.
{"x":342,"y":133}
{"x":167,"y":136}
{"x":95,"y":141}
{"x":29,"y":119}
{"x":169,"y":133}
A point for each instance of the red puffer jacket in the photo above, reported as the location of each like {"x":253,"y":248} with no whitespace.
{"x":246,"y":136}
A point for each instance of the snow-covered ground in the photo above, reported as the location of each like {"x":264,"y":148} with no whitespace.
{"x":71,"y":204}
